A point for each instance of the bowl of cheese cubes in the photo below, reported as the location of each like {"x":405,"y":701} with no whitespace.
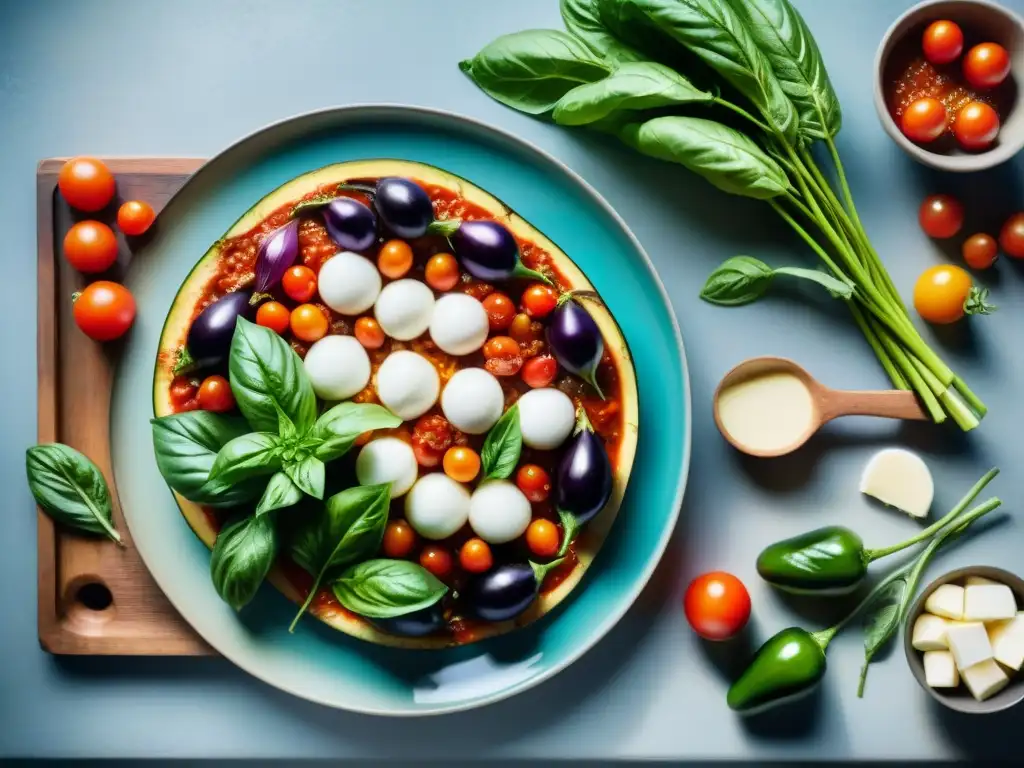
{"x":964,"y":639}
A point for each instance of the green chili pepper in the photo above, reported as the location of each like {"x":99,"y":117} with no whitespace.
{"x":790,"y":664}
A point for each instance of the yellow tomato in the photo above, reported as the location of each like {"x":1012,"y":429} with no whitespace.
{"x":941,"y":293}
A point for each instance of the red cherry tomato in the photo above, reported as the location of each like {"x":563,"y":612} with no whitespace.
{"x":502,"y":356}
{"x":986,"y":65}
{"x":369,"y":333}
{"x":924,"y":120}
{"x":441,"y":272}
{"x":90,"y":246}
{"x":539,"y":300}
{"x":437,"y":560}
{"x":976,"y":125}
{"x":104,"y":310}
{"x":534,"y":482}
{"x":135,"y":217}
{"x":1011,"y":236}
{"x":475,"y":556}
{"x":540,"y":371}
{"x":941,"y":216}
{"x":299,"y":282}
{"x":431,"y":437}
{"x":500,"y":311}
{"x":274,"y":315}
{"x":399,"y":539}
{"x":942,"y":42}
{"x":86,"y":183}
{"x":215,"y":395}
{"x":980,"y":251}
{"x":717,"y":605}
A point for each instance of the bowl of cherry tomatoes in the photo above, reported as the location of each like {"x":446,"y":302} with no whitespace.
{"x":946,"y":83}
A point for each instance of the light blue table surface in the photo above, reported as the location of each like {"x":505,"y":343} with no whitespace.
{"x":186,"y":78}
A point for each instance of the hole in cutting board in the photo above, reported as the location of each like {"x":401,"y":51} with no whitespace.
{"x":95,"y":596}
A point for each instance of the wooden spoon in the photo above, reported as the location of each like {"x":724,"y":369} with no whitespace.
{"x":827,"y":403}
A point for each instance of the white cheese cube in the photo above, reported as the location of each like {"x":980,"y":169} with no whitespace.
{"x":947,"y":601}
{"x":900,"y":479}
{"x":978,"y":581}
{"x":989,"y":602}
{"x":929,"y":633}
{"x":985,"y":679}
{"x":1007,"y":638}
{"x":940,"y":670}
{"x":969,"y":643}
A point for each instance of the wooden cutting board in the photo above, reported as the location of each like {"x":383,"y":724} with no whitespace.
{"x":94,"y":597}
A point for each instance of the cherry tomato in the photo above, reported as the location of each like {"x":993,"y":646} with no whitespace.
{"x":523,"y":329}
{"x":399,"y":539}
{"x":90,"y":247}
{"x":542,"y":538}
{"x":437,"y":560}
{"x":299,"y":283}
{"x":717,"y":605}
{"x":940,"y":293}
{"x":461,"y":464}
{"x":534,"y":482}
{"x":539,"y":300}
{"x":475,"y":556}
{"x":86,"y":183}
{"x":986,"y":65}
{"x":369,"y":333}
{"x":215,"y":395}
{"x":924,"y":120}
{"x":540,"y":371}
{"x":104,"y":310}
{"x":976,"y":125}
{"x":442,"y":272}
{"x":394,"y":259}
{"x":135,"y":217}
{"x":941,"y":216}
{"x":502,"y":356}
{"x":500,"y":311}
{"x":273,"y":315}
{"x":980,"y":251}
{"x":942,"y":42}
{"x":1011,"y":236}
{"x":431,"y":437}
{"x":308,"y":322}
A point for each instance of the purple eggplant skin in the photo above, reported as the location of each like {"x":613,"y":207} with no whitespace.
{"x":209,"y":338}
{"x":501,"y":593}
{"x":350,"y":223}
{"x":486,"y":249}
{"x":583,"y":478}
{"x":576,"y":341}
{"x":403,"y":206}
{"x":425,"y":621}
{"x":278,"y":251}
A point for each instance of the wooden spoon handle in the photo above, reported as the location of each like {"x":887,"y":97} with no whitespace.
{"x":891,"y":404}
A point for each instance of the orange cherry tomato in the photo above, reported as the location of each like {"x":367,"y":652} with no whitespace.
{"x":540,"y":371}
{"x":215,"y":395}
{"x":941,"y":216}
{"x":461,"y":464}
{"x":940,"y":293}
{"x":299,"y":283}
{"x":986,"y":65}
{"x":1011,"y":236}
{"x":475,"y":556}
{"x":441,"y":272}
{"x":394,"y":259}
{"x":522,"y":329}
{"x":399,"y":539}
{"x":539,"y":300}
{"x":135,"y":217}
{"x":534,"y":482}
{"x":308,"y":322}
{"x":717,"y":605}
{"x":273,"y":315}
{"x":542,"y":538}
{"x":369,"y":333}
{"x":943,"y":41}
{"x":502,"y":356}
{"x":437,"y":560}
{"x":86,"y":183}
{"x":104,"y":310}
{"x":500,"y":311}
{"x":90,"y":246}
{"x":980,"y":251}
{"x":924,"y":120}
{"x":976,"y":125}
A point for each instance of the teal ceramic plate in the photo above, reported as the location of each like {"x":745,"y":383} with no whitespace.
{"x":318,"y":663}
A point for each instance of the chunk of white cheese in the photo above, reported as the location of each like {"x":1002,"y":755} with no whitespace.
{"x":499,"y":512}
{"x":437,"y":506}
{"x":1007,"y":638}
{"x":929,"y":633}
{"x":940,"y":670}
{"x":989,"y":602}
{"x":546,"y":418}
{"x":387,"y":460}
{"x":338,"y":367}
{"x":473,"y":400}
{"x":969,"y":643}
{"x":984,"y":679}
{"x":407,"y":384}
{"x":947,"y":600}
{"x":349,"y":283}
{"x":404,"y":308}
{"x":977,"y":581}
{"x":900,"y":479}
{"x":459,"y":324}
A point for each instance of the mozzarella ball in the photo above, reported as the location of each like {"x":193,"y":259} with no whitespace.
{"x":387,"y":460}
{"x":472,"y":400}
{"x":459,"y":324}
{"x":546,"y":418}
{"x":407,"y":384}
{"x":349,"y":283}
{"x":437,"y":506}
{"x":338,"y":367}
{"x":404,"y":308}
{"x":499,"y":512}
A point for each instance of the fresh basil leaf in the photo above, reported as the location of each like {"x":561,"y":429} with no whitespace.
{"x":251,"y":455}
{"x":382,"y":589}
{"x":633,"y":86}
{"x":70,"y":489}
{"x":739,"y":280}
{"x":834,"y":286}
{"x":186,"y":445}
{"x":242,"y":556}
{"x":531,"y":70}
{"x":266,"y":374}
{"x":881,"y":623}
{"x":349,"y":529}
{"x":339,"y":427}
{"x":280,"y":492}
{"x":502,"y":446}
{"x":286,"y":429}
{"x":781,"y":33}
{"x":725,"y":157}
{"x":582,"y":20}
{"x":309,"y":474}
